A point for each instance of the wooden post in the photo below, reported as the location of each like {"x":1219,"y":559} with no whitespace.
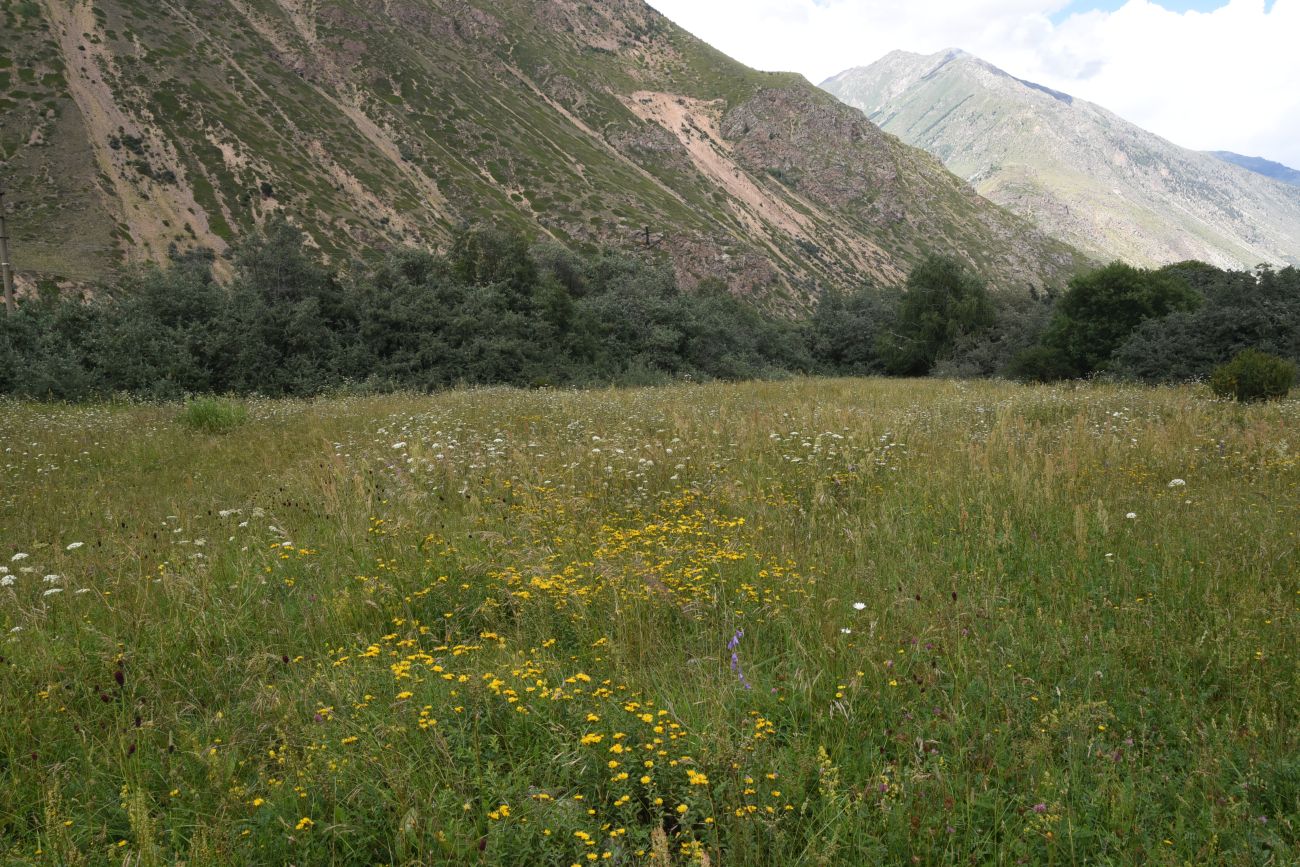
{"x":6,"y":269}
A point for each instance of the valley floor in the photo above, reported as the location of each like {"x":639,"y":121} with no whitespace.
{"x":809,"y":622}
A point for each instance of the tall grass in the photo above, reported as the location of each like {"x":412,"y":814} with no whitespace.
{"x":810,"y":622}
{"x":213,"y":415}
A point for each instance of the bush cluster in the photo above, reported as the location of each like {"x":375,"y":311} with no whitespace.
{"x":491,"y":310}
{"x":1174,"y":324}
{"x":494,"y":309}
{"x":1254,"y":375}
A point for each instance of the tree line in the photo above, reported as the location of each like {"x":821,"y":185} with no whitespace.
{"x":495,"y":309}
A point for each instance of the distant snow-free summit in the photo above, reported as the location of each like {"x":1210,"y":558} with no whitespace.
{"x":1081,"y":172}
{"x":1261,"y":166}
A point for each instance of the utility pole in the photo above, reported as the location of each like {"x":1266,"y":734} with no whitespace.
{"x":6,"y":269}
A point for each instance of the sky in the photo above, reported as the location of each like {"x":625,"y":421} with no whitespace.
{"x":1205,"y":74}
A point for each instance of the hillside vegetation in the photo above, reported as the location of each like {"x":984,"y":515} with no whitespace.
{"x":807,"y":623}
{"x":495,"y":309}
{"x":132,"y":127}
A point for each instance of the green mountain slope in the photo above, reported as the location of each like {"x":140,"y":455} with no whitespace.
{"x":1080,"y":172}
{"x":132,"y":126}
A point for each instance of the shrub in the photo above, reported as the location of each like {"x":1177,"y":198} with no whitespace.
{"x":214,"y":416}
{"x":1018,"y":325}
{"x":1241,"y":310}
{"x":1254,"y":375}
{"x":1041,"y":364}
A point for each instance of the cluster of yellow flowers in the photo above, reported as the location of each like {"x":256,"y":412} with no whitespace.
{"x":626,"y":754}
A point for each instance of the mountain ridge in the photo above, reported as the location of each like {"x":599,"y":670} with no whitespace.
{"x":1266,"y":167}
{"x":151,"y":127}
{"x":1080,"y":171}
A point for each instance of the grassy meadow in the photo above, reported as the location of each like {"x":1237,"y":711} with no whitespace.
{"x":809,"y":622}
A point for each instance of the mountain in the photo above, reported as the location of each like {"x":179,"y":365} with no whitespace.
{"x":132,"y":127}
{"x":1080,"y":172}
{"x":1261,"y":166}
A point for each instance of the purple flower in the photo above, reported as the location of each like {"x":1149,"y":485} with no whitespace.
{"x":733,"y":645}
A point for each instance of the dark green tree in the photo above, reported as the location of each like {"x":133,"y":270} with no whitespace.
{"x":945,"y":304}
{"x":485,"y":255}
{"x":1102,"y":308}
{"x":156,"y":332}
{"x":287,"y":327}
{"x":846,"y":328}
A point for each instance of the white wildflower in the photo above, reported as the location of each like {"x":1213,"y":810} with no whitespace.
{"x":19,"y":556}
{"x":858,"y":606}
{"x":1131,"y":515}
{"x":6,"y":580}
{"x":846,"y":630}
{"x":1177,"y":483}
{"x":72,"y":546}
{"x":400,"y":445}
{"x":52,"y":591}
{"x":51,"y":579}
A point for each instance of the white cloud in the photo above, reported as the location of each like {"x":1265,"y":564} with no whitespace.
{"x":1227,"y":79}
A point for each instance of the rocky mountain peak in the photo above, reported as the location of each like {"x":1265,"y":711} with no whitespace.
{"x":1079,"y":171}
